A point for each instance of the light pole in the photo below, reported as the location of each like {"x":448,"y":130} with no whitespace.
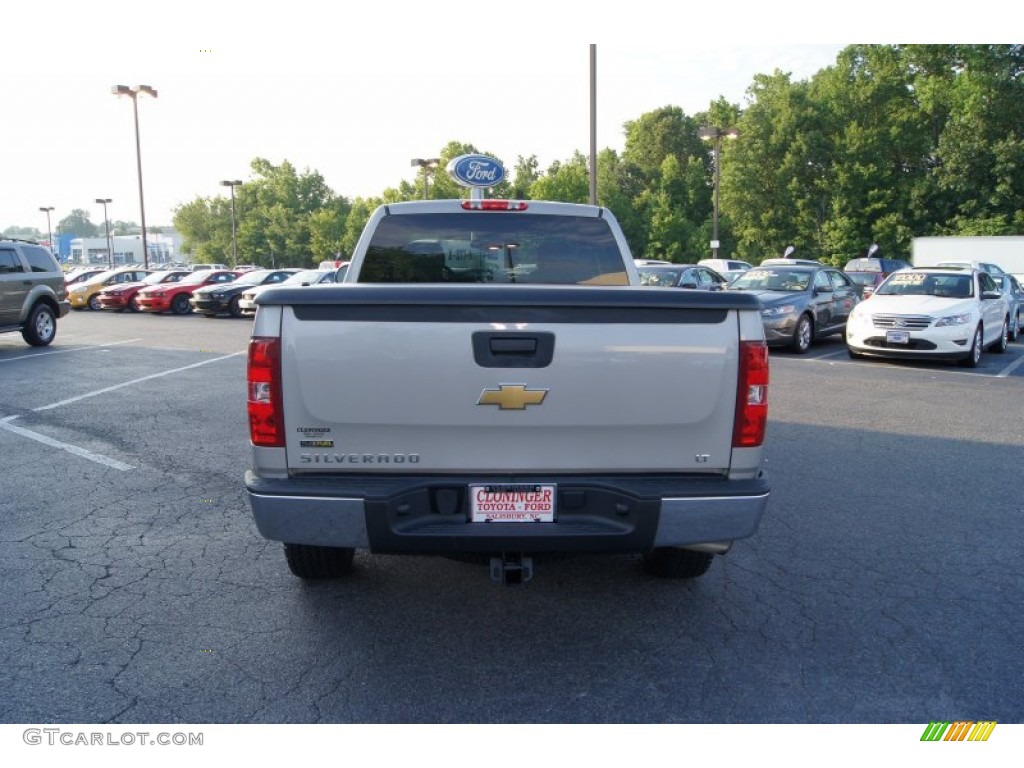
{"x":426,"y":165}
{"x":234,"y":235}
{"x":716,"y":135}
{"x":124,"y":90}
{"x":49,"y":229}
{"x":593,"y":124}
{"x":106,"y":222}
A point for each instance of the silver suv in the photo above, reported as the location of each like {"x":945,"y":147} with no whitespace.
{"x":32,"y":291}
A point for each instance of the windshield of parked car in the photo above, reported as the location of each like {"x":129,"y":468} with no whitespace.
{"x":774,"y":279}
{"x":664,"y":278}
{"x":305,"y":276}
{"x":197,"y":278}
{"x":493,"y":248}
{"x":155,"y":278}
{"x":951,"y":286}
{"x":253,"y":277}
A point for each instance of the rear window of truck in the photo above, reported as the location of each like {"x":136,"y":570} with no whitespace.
{"x":499,"y":247}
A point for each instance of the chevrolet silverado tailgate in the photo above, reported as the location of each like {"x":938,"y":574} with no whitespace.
{"x":503,"y":379}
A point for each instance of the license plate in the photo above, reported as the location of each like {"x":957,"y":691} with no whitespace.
{"x":512,"y":503}
{"x":897,"y":337}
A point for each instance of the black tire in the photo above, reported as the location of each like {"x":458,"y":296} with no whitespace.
{"x":803,"y":335}
{"x":233,"y":309}
{"x":675,"y":563}
{"x":94,"y":303}
{"x":180,"y":305}
{"x":309,"y":562}
{"x":133,"y":304}
{"x":41,"y":327}
{"x":1000,"y":346}
{"x":974,"y":356}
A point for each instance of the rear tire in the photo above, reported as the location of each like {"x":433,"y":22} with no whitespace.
{"x":41,"y":327}
{"x":133,"y":305}
{"x":233,"y":309}
{"x":309,"y":562}
{"x":676,"y":563}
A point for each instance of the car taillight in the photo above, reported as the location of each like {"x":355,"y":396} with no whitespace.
{"x":266,"y":419}
{"x":751,"y":396}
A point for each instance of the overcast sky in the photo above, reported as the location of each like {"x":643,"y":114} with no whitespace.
{"x":353,"y":97}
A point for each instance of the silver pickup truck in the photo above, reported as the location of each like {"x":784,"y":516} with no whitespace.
{"x":491,"y":382}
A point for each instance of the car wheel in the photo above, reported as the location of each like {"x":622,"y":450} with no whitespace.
{"x":41,"y":326}
{"x":1000,"y":346}
{"x":676,"y":563}
{"x":180,"y":305}
{"x":1015,"y":328}
{"x":803,"y":335}
{"x":133,"y":304}
{"x":233,"y":308}
{"x":974,"y":356}
{"x":94,"y":303}
{"x":309,"y":562}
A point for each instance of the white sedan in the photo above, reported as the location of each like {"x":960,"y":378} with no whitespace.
{"x":931,"y":313}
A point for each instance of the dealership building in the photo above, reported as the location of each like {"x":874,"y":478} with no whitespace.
{"x":127,"y":249}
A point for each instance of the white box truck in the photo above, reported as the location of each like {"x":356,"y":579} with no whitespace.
{"x":1005,"y":251}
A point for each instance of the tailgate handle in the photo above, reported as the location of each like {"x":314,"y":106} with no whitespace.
{"x":496,"y":349}
{"x":513,"y":346}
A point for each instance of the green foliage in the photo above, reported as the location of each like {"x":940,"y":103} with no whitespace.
{"x":24,"y":233}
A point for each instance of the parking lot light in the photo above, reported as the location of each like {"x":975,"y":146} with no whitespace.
{"x":106,"y":221}
{"x":49,"y":229}
{"x":711,"y":133}
{"x":234,"y":235}
{"x":427,"y":166}
{"x":133,"y":93}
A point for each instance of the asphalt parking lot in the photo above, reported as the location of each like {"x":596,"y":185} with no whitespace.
{"x":884,"y":585}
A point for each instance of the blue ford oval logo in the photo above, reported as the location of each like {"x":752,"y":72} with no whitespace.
{"x":476,"y":171}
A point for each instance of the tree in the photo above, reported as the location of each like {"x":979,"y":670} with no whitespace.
{"x":567,"y":182}
{"x":77,"y":223}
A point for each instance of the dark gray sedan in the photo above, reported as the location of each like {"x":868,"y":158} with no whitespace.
{"x":800,"y":303}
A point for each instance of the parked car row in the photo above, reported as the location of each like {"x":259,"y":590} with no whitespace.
{"x":883,"y":307}
{"x":207,"y":291}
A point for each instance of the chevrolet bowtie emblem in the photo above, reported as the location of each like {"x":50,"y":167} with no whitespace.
{"x":512,"y":397}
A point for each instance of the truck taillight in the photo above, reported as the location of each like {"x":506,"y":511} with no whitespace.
{"x":494,"y":205}
{"x":266,"y":420}
{"x":751,"y":396}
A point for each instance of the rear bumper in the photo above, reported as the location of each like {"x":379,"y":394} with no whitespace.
{"x":428,"y":515}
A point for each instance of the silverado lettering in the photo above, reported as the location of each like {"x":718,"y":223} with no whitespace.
{"x":359,"y":458}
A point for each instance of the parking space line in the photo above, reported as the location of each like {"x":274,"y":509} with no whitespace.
{"x":103,"y":391}
{"x":1011,"y":368}
{"x":99,"y":458}
{"x":65,"y":351}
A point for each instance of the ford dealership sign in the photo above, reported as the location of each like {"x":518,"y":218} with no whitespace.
{"x":477,"y":171}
